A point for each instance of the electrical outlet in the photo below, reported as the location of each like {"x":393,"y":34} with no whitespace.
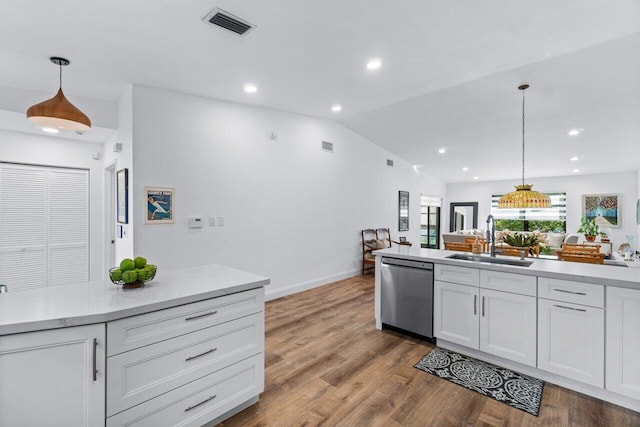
{"x":220,"y":221}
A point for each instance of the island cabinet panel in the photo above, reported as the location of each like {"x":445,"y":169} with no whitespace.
{"x":571,"y":341}
{"x":571,"y":291}
{"x":623,"y":341}
{"x":137,"y":331}
{"x":454,"y":274}
{"x":456,"y":313}
{"x":508,"y":282}
{"x":508,"y":325}
{"x":53,"y":378}
{"x":198,"y":361}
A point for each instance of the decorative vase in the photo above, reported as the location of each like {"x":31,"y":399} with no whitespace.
{"x":590,"y":238}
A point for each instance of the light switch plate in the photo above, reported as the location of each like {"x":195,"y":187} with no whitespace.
{"x":220,"y":221}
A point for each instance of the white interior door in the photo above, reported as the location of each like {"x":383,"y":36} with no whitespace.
{"x":44,"y":226}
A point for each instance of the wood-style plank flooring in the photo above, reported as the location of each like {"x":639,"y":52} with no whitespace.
{"x":327,"y":365}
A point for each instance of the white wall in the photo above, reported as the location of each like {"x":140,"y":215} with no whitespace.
{"x":48,"y":151}
{"x":625,"y":183}
{"x":123,"y":159}
{"x":292,"y":212}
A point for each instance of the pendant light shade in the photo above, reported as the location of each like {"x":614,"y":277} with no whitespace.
{"x":524,"y":197}
{"x":58,"y":112}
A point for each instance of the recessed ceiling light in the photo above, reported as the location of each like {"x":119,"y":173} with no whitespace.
{"x":576,"y":170}
{"x":574,"y":159}
{"x":574,"y":132}
{"x":50,"y":130}
{"x":465,"y":169}
{"x":374,"y":64}
{"x":336,"y":108}
{"x":442,"y":150}
{"x":476,"y":177}
{"x":250,"y":88}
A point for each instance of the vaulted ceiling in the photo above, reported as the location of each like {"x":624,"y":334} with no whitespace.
{"x":449,"y":74}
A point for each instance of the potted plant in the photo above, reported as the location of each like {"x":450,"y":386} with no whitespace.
{"x":589,"y":228}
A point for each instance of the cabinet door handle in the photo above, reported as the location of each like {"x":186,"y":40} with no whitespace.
{"x":200,"y":355}
{"x":201,"y":403}
{"x":475,"y":305}
{"x":569,"y":308}
{"x":211,"y":313}
{"x":569,"y":292}
{"x":95,"y":359}
{"x":482,"y":306}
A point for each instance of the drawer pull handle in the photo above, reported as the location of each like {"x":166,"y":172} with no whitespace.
{"x":200,"y":355}
{"x":211,"y":313}
{"x":569,"y":292}
{"x":569,"y":308}
{"x":475,"y":305}
{"x":95,"y":359}
{"x":201,"y":403}
{"x":482,"y":306}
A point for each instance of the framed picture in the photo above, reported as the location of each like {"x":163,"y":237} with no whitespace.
{"x":403,"y":239}
{"x":607,"y":206}
{"x":160,"y":205}
{"x":403,"y":211}
{"x":122,"y":195}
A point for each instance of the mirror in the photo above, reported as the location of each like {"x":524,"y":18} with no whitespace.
{"x":463,"y":216}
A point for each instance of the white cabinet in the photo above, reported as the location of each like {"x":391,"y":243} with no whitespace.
{"x":456,"y":313}
{"x":186,"y":365}
{"x":623,"y":341}
{"x":571,"y":340}
{"x":508,"y":325}
{"x":496,"y":322}
{"x":53,"y":378}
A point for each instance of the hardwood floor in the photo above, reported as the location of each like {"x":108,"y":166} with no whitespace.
{"x":327,"y":365}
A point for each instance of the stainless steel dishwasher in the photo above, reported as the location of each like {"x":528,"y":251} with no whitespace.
{"x":406,"y":295}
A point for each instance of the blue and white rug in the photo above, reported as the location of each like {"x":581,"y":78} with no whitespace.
{"x":504,"y":385}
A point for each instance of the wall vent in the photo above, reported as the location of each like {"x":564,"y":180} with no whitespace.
{"x":223,"y":19}
{"x":389,"y":162}
{"x":327,"y":146}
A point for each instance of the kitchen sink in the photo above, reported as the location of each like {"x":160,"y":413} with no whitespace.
{"x":491,"y":260}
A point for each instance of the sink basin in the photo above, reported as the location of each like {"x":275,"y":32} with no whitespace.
{"x":491,"y":260}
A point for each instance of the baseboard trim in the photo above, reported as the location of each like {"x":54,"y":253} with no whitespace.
{"x":271,"y":294}
{"x":599,"y":393}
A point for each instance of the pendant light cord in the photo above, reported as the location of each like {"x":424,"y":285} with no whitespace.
{"x":523,"y":136}
{"x":60,"y":65}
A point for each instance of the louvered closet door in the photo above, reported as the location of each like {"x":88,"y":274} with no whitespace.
{"x":43,"y":226}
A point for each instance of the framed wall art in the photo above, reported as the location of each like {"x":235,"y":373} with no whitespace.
{"x":122,"y":195}
{"x":607,"y":206}
{"x":160,"y":205}
{"x":403,"y":211}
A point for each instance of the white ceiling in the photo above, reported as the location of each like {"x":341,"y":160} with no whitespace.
{"x":449,"y":76}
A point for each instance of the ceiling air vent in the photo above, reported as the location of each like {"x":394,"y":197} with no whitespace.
{"x":327,"y":146}
{"x":226,"y":20}
{"x":389,"y":162}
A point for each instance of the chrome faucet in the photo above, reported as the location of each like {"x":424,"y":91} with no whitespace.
{"x":491,"y":234}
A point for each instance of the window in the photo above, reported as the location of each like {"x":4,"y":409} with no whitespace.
{"x":548,"y":219}
{"x":430,"y":222}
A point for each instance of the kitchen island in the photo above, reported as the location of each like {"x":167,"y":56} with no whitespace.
{"x":572,"y":324}
{"x":188,"y":347}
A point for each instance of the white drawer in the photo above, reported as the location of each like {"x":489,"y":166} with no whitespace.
{"x":142,"y":374}
{"x":453,"y":274}
{"x":569,"y":291}
{"x":508,"y":282}
{"x":137,"y":331}
{"x":199,"y":401}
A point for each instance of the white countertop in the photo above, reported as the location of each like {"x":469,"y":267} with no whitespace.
{"x":610,"y":275}
{"x":102,"y":301}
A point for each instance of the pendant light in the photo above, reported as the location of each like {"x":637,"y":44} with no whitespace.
{"x":524,"y":197}
{"x":58,"y":112}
